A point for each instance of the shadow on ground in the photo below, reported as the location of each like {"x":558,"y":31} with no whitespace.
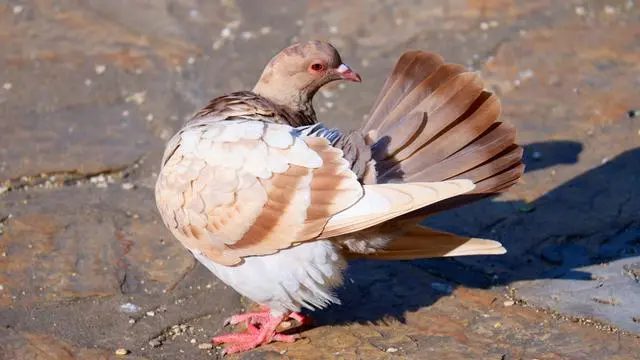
{"x":596,"y":208}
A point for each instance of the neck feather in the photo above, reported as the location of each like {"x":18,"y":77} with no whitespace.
{"x":297,"y":103}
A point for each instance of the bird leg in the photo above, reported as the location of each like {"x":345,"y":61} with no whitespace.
{"x":261,"y":329}
{"x":262,"y":316}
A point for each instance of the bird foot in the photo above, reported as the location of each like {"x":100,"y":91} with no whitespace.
{"x":259,"y":317}
{"x":261,"y":330}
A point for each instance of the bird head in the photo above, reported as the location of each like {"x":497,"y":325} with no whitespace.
{"x":295,"y":74}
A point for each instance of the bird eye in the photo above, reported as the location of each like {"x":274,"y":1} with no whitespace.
{"x":317,"y":67}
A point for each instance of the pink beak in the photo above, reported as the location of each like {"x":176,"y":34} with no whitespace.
{"x":346,"y":73}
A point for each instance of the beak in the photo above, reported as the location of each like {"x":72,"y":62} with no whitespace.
{"x":346,"y":73}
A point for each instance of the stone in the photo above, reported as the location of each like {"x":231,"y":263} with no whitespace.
{"x":16,"y":345}
{"x":82,"y":243}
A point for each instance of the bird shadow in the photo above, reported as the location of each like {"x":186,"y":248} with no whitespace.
{"x":585,"y":221}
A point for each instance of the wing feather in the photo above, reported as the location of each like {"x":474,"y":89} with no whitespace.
{"x":238,"y":188}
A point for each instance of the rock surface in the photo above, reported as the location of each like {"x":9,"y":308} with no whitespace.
{"x":91,"y":90}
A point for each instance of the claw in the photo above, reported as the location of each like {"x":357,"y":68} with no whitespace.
{"x":261,"y":330}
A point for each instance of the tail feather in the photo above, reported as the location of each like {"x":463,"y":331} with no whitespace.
{"x":443,"y":106}
{"x":434,"y":121}
{"x":410,"y":69}
{"x":412,"y":101}
{"x":383,"y":202}
{"x":478,"y":118}
{"x":501,"y":181}
{"x":419,"y":242}
{"x":495,"y":166}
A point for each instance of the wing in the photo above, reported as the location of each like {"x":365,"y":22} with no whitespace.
{"x":238,"y":188}
{"x":383,"y":202}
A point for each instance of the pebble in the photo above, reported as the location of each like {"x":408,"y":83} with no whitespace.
{"x":246,"y":35}
{"x":265,"y":30}
{"x":7,"y":86}
{"x":127,"y":186}
{"x":129,"y":308}
{"x":155,"y":343}
{"x":580,"y":11}
{"x":392,"y":350}
{"x":88,"y":82}
{"x":151,"y":313}
{"x":508,"y":303}
{"x":526,"y":74}
{"x":17,"y":9}
{"x":205,"y":346}
{"x":121,"y":352}
{"x":138,"y":97}
{"x":100,"y":69}
{"x":193,"y":341}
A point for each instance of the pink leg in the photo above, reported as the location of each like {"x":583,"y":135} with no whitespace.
{"x":302,"y":319}
{"x":255,"y":336}
{"x":262,"y":316}
{"x":250,"y":317}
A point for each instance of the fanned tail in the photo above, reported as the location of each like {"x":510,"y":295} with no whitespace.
{"x":434,"y":121}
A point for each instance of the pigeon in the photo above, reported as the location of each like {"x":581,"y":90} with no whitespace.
{"x":274,"y":203}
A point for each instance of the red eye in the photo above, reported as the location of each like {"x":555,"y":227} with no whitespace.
{"x":317,"y":67}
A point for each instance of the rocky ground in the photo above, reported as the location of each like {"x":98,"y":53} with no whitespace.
{"x":91,"y":90}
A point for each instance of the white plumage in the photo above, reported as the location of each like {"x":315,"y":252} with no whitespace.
{"x":303,"y":276}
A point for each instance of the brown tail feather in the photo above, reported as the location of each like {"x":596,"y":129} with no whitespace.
{"x":413,"y":100}
{"x":434,"y":121}
{"x":410,"y":69}
{"x":419,"y":242}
